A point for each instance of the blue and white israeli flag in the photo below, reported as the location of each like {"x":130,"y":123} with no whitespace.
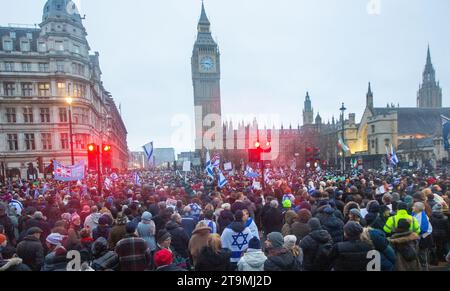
{"x":250,"y":173}
{"x":209,"y":166}
{"x":222,"y":180}
{"x":137,"y":179}
{"x":148,"y":150}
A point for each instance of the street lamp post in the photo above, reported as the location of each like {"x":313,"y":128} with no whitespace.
{"x":343,"y":109}
{"x":69,"y":101}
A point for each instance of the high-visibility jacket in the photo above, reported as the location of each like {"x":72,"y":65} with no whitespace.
{"x":392,"y":222}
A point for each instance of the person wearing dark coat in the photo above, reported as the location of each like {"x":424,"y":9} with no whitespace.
{"x":7,"y":224}
{"x":38,"y":221}
{"x":333,"y":225}
{"x":441,"y":231}
{"x":310,"y":246}
{"x":30,"y":250}
{"x":213,"y":257}
{"x":103,"y":228}
{"x":300,"y":227}
{"x":180,"y":239}
{"x":225,"y":218}
{"x":188,"y":222}
{"x":279,"y":258}
{"x":377,"y":239}
{"x":272,"y":218}
{"x":56,"y":260}
{"x":351,"y":255}
{"x":103,"y":259}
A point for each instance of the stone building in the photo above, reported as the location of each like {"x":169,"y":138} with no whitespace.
{"x":40,"y":67}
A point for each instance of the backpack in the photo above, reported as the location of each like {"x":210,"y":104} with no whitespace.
{"x":322,"y":257}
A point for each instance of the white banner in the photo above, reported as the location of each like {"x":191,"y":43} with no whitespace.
{"x":187,"y":166}
{"x":228,"y":166}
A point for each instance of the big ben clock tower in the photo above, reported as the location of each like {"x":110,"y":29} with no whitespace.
{"x":205,"y":78}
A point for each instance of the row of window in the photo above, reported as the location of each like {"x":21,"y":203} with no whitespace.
{"x":77,"y":69}
{"x":25,"y":45}
{"x":79,"y":115}
{"x":28,"y":117}
{"x":80,"y":141}
{"x":44,"y":89}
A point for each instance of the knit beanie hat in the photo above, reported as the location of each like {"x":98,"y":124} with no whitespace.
{"x":254,"y":244}
{"x":276,"y":239}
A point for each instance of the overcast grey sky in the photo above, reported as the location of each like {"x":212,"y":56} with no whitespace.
{"x":272,"y":52}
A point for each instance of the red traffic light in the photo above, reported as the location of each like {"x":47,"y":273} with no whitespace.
{"x":106,"y":148}
{"x":91,"y":147}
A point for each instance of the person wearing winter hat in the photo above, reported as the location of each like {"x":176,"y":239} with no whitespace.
{"x":254,"y":258}
{"x":133,"y":252}
{"x":163,"y":239}
{"x":355,"y":215}
{"x":103,"y":228}
{"x":300,"y":227}
{"x":405,"y":243}
{"x":56,"y":259}
{"x":146,"y":229}
{"x":279,"y":258}
{"x":351,"y":255}
{"x":31,"y":250}
{"x":163,"y":261}
{"x":290,"y":243}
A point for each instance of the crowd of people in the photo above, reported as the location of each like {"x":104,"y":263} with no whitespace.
{"x":300,"y":221}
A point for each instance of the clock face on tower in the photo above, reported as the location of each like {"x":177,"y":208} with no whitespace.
{"x":207,"y":64}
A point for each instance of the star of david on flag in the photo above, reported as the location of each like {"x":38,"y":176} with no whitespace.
{"x":240,"y":240}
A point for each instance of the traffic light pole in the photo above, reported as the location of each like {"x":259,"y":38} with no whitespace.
{"x":263,"y":182}
{"x":99,"y":173}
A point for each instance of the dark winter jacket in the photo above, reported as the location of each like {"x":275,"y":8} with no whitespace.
{"x":180,"y":239}
{"x":377,"y":239}
{"x":31,"y":251}
{"x":116,"y":233}
{"x":188,"y":223}
{"x":406,"y":248}
{"x":441,"y":227}
{"x":281,"y":260}
{"x":56,"y":260}
{"x":350,"y":255}
{"x":300,"y":230}
{"x":310,"y":246}
{"x":334,"y":226}
{"x":9,"y":227}
{"x":211,"y":261}
{"x":101,"y":231}
{"x":272,"y":220}
{"x":102,"y":258}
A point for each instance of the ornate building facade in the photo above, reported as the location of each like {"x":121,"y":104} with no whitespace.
{"x":39,"y":69}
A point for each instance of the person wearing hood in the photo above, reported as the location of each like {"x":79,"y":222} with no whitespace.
{"x":198,"y":241}
{"x":91,"y":221}
{"x":279,"y":258}
{"x":290,"y":243}
{"x":316,"y":248}
{"x":441,"y":231}
{"x":373,"y":217}
{"x":351,"y":254}
{"x":377,"y":239}
{"x":103,"y":258}
{"x":118,"y":231}
{"x":236,"y":237}
{"x":254,"y":258}
{"x":406,"y":245}
{"x":300,"y":227}
{"x":289,"y":217}
{"x":213,"y":257}
{"x":146,"y":229}
{"x":333,"y":225}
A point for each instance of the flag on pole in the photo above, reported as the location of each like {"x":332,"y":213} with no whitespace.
{"x":250,"y":173}
{"x":343,"y":146}
{"x":148,"y":150}
{"x":222,"y":180}
{"x":108,"y":183}
{"x":445,"y":131}
{"x":394,"y":156}
{"x":137,"y":179}
{"x":211,"y":164}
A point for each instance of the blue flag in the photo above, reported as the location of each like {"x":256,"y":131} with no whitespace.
{"x":148,"y":150}
{"x":445,"y":131}
{"x":222,"y":180}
